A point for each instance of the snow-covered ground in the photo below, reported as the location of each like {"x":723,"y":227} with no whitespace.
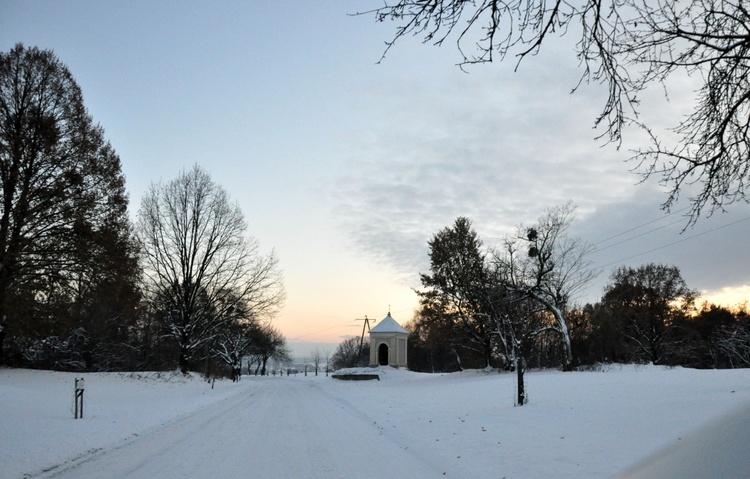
{"x":577,"y":425}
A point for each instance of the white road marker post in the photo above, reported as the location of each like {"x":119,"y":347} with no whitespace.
{"x":78,"y":398}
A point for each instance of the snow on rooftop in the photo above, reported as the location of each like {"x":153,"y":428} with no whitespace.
{"x":388,"y":325}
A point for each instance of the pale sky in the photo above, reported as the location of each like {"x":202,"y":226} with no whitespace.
{"x":345,"y":166}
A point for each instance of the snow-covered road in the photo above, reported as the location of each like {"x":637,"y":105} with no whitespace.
{"x":593,"y":424}
{"x":316,"y":436}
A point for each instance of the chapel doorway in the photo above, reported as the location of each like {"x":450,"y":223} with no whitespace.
{"x":383,"y":354}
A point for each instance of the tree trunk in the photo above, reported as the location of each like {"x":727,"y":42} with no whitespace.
{"x":183,"y":362}
{"x":2,"y":342}
{"x":562,"y":327}
{"x":3,"y":310}
{"x":521,"y":390}
{"x":458,"y":358}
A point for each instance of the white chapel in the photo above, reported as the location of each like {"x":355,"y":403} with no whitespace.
{"x":388,"y":344}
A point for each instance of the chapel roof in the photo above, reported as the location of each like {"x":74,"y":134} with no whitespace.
{"x":388,"y":325}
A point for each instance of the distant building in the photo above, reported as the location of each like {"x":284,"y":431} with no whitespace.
{"x":388,"y":344}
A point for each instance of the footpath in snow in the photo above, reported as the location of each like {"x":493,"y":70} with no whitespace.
{"x":580,"y":424}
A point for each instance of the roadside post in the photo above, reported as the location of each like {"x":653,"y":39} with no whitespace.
{"x":78,"y":398}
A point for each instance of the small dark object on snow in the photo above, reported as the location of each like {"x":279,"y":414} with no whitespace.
{"x":356,"y":377}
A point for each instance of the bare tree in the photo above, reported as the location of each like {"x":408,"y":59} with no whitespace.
{"x":734,"y":343}
{"x":327,"y":356}
{"x":199,"y":264}
{"x":629,"y":46}
{"x":543,"y":266}
{"x":347,"y":354}
{"x":234,"y":341}
{"x":268,"y":343}
{"x":230,"y":348}
{"x":316,"y":357}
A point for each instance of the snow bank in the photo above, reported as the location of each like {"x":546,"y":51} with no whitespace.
{"x":36,"y":412}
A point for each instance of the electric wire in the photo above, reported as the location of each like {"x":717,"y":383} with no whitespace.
{"x":297,"y":338}
{"x":636,"y":236}
{"x":641,"y":226}
{"x":712,"y":230}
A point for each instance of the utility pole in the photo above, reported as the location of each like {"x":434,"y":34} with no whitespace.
{"x":362,"y":339}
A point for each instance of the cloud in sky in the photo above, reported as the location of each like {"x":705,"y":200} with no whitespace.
{"x":484,"y":145}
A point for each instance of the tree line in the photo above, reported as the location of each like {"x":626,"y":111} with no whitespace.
{"x":81,"y":287}
{"x":510,"y":307}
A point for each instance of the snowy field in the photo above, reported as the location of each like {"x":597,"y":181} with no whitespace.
{"x":408,"y":425}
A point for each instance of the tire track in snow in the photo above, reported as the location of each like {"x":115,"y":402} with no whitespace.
{"x":79,"y":463}
{"x":277,"y":428}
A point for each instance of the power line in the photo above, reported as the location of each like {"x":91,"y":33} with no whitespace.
{"x":411,"y":310}
{"x":297,"y":338}
{"x":636,"y":236}
{"x":676,"y":242}
{"x":641,"y":226}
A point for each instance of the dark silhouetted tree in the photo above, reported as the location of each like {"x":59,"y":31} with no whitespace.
{"x":732,"y":341}
{"x":235,"y":339}
{"x":646,"y":302}
{"x":454,"y":299}
{"x":67,"y":260}
{"x":433,"y":346}
{"x":268,"y":343}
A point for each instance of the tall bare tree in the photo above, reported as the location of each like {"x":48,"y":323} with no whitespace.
{"x":199,"y":264}
{"x":629,"y":46}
